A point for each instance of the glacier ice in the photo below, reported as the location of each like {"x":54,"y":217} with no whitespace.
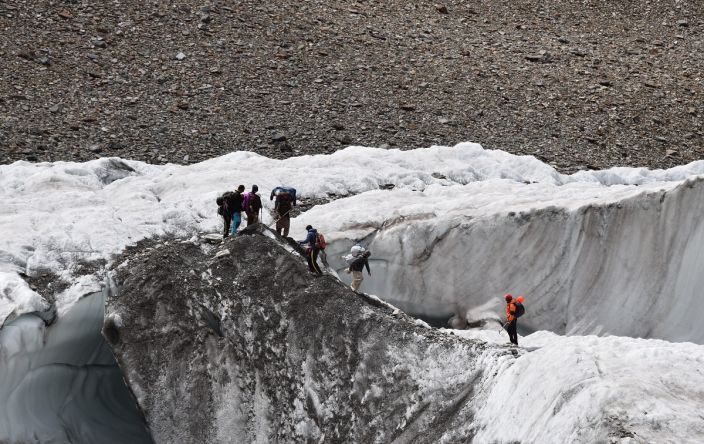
{"x":613,"y":252}
{"x":469,"y":205}
{"x":628,"y":266}
{"x":250,"y":345}
{"x":60,"y":383}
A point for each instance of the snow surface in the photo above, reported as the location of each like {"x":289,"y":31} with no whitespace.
{"x":590,"y":389}
{"x":597,"y":252}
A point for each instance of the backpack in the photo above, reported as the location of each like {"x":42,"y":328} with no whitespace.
{"x":254,"y":204}
{"x":220,"y":201}
{"x":320,"y":241}
{"x":245,"y":201}
{"x":520,"y":309}
{"x":287,"y":193}
{"x":224,"y":203}
{"x":355,"y":252}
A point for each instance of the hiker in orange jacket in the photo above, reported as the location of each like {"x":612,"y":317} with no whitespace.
{"x":511,"y":319}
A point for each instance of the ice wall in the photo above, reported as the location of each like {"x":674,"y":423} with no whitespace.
{"x":628,"y":263}
{"x":61,"y":383}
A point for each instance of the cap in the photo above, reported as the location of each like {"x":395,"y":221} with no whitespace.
{"x":508,"y":297}
{"x":309,"y":227}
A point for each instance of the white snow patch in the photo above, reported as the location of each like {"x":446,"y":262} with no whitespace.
{"x":17,"y":298}
{"x":587,"y":389}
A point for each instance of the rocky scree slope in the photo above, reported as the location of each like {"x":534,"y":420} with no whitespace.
{"x":580,"y":84}
{"x":240,"y":340}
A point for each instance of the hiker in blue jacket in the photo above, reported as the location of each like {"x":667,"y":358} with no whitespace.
{"x":310,"y":243}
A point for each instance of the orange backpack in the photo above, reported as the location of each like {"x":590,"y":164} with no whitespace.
{"x":320,"y":241}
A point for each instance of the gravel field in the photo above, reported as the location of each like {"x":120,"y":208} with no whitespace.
{"x":579,"y":84}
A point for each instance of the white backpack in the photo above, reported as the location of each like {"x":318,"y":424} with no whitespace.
{"x":355,"y":252}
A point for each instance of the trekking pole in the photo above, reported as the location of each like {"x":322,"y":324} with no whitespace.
{"x":280,"y":217}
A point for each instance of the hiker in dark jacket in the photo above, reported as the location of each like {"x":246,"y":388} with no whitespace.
{"x":233,"y":202}
{"x":356,"y":268}
{"x":310,"y":243}
{"x":252,"y":203}
{"x":226,"y":216}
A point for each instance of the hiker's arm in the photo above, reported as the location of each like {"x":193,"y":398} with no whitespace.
{"x":366,"y":264}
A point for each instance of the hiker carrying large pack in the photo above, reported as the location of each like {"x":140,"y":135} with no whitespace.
{"x":356,"y":267}
{"x":224,"y":211}
{"x":284,"y":203}
{"x":251,"y":204}
{"x":514,"y":310}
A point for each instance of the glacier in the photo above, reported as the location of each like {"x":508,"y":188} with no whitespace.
{"x":60,"y":383}
{"x":603,"y":257}
{"x":239,"y":340}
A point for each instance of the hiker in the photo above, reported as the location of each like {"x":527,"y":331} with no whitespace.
{"x":285,"y":200}
{"x":233,"y":202}
{"x":223,"y":211}
{"x":251,"y":204}
{"x":312,"y":248}
{"x":356,"y":268}
{"x":511,"y":319}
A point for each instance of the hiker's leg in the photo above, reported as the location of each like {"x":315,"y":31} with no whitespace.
{"x":309,"y":259}
{"x":279,"y":227}
{"x":286,"y":220}
{"x":236,"y":221}
{"x":314,"y":260}
{"x":512,"y":332}
{"x":357,"y":277}
{"x":226,"y":220}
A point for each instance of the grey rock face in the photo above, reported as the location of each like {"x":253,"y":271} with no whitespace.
{"x":252,"y":347}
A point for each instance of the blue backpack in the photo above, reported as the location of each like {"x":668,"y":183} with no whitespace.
{"x":290,"y":190}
